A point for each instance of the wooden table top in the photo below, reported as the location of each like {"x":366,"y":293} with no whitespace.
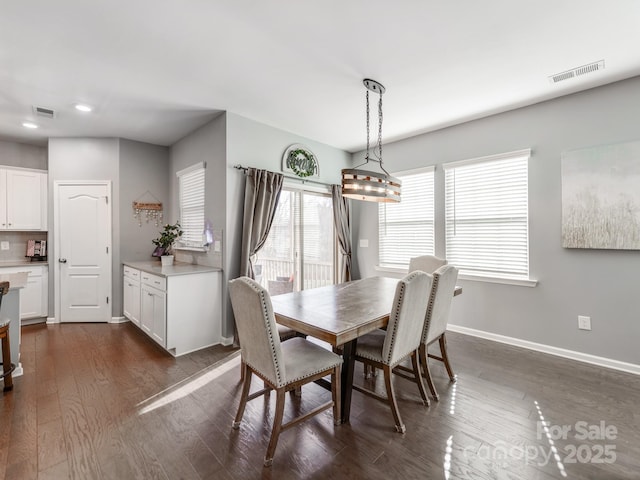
{"x":338,"y":313}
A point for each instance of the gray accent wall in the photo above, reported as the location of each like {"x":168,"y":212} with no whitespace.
{"x":598,"y":283}
{"x":85,"y":159}
{"x":132,"y":167}
{"x":254,"y":144}
{"x":22,"y":155}
{"x":143,"y":171}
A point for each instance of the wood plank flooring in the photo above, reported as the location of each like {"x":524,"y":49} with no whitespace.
{"x":100,"y":401}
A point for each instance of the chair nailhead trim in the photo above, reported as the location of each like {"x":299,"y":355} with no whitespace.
{"x":432,"y":299}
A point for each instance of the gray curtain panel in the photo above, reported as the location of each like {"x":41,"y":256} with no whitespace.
{"x":261,"y":195}
{"x":342,"y":222}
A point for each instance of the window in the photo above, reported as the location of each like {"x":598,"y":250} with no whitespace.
{"x":301,"y":249}
{"x":405,"y":229}
{"x":486,"y":215}
{"x":191,"y":199}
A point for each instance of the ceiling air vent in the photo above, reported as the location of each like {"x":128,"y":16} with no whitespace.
{"x":44,"y":112}
{"x":576,"y":72}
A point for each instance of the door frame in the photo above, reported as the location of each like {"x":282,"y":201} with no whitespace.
{"x":56,"y":235}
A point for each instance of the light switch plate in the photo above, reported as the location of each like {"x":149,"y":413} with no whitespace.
{"x":364,"y":243}
{"x":216,"y":246}
{"x":4,"y":245}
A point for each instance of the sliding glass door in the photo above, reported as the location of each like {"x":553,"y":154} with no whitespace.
{"x":300,"y":251}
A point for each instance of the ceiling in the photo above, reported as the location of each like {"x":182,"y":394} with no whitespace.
{"x":156,"y":70}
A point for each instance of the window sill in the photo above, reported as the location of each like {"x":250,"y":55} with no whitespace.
{"x":192,"y":249}
{"x":474,"y":277}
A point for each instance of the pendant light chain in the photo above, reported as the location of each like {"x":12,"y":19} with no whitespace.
{"x":380,"y":130}
{"x":367,"y":154}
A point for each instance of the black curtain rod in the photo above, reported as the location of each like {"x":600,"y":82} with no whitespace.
{"x":303,"y":180}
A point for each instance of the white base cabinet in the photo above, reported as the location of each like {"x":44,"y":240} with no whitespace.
{"x":131,"y":295}
{"x":180,"y":308}
{"x":153,"y":313}
{"x":34,"y":297}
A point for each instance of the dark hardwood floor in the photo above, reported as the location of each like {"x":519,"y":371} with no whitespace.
{"x":102,"y":401}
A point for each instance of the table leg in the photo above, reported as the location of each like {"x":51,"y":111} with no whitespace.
{"x":348,"y":355}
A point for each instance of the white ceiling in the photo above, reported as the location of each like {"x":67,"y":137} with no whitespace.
{"x":155,"y":70}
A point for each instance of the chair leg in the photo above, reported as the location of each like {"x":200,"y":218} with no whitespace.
{"x":391,"y":395}
{"x":445,"y":357}
{"x":424,"y":360}
{"x":277,"y":426}
{"x":335,"y":395}
{"x":418,"y":377}
{"x":246,"y":373}
{"x":241,"y":370}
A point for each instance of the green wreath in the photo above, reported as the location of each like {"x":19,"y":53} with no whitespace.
{"x":302,"y":162}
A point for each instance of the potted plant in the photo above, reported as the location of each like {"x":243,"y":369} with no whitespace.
{"x":164,"y":243}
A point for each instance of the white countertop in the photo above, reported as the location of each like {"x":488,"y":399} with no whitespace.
{"x":21,"y":263}
{"x":178,"y":268}
{"x":16,"y":280}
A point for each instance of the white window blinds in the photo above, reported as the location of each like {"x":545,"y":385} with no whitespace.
{"x":405,"y":229}
{"x":191,"y":198}
{"x":486,"y":214}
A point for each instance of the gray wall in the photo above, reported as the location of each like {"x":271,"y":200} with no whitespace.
{"x":253,"y":144}
{"x":86,"y":159}
{"x":22,"y":155}
{"x":133,"y":168}
{"x":206,"y":144}
{"x":597,"y":283}
{"x":144,"y":175}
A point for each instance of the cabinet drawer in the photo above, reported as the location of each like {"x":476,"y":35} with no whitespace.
{"x":154,"y":281}
{"x":131,"y":273}
{"x":33,"y":271}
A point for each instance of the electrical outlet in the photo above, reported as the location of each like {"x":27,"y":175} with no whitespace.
{"x":4,"y":245}
{"x":584,"y":323}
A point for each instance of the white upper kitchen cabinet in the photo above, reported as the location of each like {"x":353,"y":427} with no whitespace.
{"x":23,"y":201}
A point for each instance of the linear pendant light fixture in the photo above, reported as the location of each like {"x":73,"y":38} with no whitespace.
{"x":365,"y":184}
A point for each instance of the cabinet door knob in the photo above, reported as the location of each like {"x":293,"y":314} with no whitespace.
{"x":62,"y":260}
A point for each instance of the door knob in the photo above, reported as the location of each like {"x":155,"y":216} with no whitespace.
{"x":62,"y":260}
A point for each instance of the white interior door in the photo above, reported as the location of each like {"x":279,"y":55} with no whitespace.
{"x":83,"y":251}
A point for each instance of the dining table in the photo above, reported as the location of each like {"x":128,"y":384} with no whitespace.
{"x":340,"y":314}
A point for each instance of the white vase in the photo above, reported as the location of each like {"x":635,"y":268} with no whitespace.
{"x":167,"y":260}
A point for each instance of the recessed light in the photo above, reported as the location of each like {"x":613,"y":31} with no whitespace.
{"x":83,"y":108}
{"x":29,"y":125}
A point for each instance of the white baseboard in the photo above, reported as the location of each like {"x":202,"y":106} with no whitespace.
{"x":226,"y":341}
{"x":51,"y":320}
{"x":539,"y":347}
{"x":18,"y":371}
{"x":118,"y":320}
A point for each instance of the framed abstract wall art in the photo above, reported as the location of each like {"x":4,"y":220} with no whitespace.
{"x":601,"y":197}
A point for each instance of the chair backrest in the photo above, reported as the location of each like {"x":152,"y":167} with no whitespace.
{"x":426,"y":263}
{"x":407,"y":316}
{"x":257,"y":330}
{"x":444,"y":284}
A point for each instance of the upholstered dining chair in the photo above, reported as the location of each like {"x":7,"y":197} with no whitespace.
{"x":386,"y":349}
{"x":436,"y":320}
{"x":285,"y":333}
{"x":282,"y":366}
{"x":426,"y":263}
